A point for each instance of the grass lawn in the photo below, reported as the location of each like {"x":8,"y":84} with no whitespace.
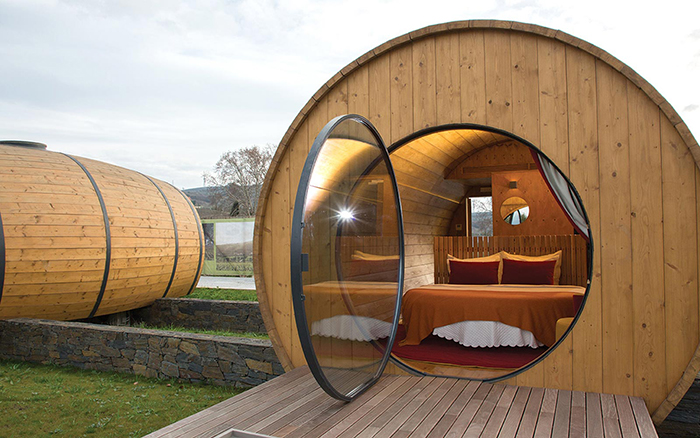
{"x":46,"y":400}
{"x":205,"y":293}
{"x":173,"y":328}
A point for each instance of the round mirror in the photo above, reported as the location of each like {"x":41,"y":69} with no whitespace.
{"x":515,"y":210}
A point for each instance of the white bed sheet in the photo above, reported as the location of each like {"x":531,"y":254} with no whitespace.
{"x":467,"y":333}
{"x":352,"y":328}
{"x":487,"y":334}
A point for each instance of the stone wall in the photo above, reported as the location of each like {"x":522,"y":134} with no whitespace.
{"x":236,"y":316}
{"x":221,"y":360}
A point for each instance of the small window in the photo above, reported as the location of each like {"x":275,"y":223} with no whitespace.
{"x":481,"y":216}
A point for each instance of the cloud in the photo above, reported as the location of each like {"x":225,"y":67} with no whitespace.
{"x":166,"y":86}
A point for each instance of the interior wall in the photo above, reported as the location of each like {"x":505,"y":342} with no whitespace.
{"x":545,"y":218}
{"x":459,"y":223}
{"x":605,"y":127}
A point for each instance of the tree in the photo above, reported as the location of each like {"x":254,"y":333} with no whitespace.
{"x":238,"y":177}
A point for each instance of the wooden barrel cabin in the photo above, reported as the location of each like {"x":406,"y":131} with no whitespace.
{"x":461,"y":107}
{"x":80,"y":238}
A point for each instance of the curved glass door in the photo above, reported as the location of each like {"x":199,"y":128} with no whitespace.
{"x":347,"y":257}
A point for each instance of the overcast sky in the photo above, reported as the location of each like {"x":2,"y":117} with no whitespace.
{"x":166,"y":86}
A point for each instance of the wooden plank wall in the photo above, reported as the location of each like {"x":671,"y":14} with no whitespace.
{"x":585,"y":110}
{"x":573,"y":264}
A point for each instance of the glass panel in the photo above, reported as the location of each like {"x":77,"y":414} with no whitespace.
{"x":353,"y":237}
{"x":208,"y":241}
{"x":481,"y":216}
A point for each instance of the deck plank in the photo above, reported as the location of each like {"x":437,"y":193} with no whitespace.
{"x":266,"y":403}
{"x":515,"y":414}
{"x":465,"y":417}
{"x":453,"y":412}
{"x":562,"y":415}
{"x":294,"y":406}
{"x":532,"y":410}
{"x":367,"y":413}
{"x":594,"y":415}
{"x":333,"y":413}
{"x":477,"y":425}
{"x":343,"y":418}
{"x":611,"y":423}
{"x":409,"y":414}
{"x":628,"y":424}
{"x":430,"y":412}
{"x":495,"y":423}
{"x":641,"y":415}
{"x":545,"y":421}
{"x":577,"y":425}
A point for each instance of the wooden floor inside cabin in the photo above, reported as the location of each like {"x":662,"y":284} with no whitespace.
{"x":293,"y":405}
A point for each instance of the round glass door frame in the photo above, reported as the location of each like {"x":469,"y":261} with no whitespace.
{"x":589,"y":251}
{"x":297,"y":263}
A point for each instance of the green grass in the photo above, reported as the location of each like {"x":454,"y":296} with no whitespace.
{"x":205,"y":293}
{"x":173,"y":328}
{"x":47,"y":400}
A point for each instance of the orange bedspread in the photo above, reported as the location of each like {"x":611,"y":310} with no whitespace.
{"x":532,"y":308}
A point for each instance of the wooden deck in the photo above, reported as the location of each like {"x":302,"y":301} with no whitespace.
{"x":293,"y":405}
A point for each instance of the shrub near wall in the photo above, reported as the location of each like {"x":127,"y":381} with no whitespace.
{"x":216,"y":359}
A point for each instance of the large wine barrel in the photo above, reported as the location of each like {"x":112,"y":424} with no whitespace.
{"x":626,"y":150}
{"x":81,"y":238}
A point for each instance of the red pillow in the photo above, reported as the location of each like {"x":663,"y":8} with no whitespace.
{"x":473,"y":272}
{"x":522,"y":272}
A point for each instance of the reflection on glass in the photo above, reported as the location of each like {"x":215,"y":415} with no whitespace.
{"x":351,"y":234}
{"x":515,"y":210}
{"x":208,"y":241}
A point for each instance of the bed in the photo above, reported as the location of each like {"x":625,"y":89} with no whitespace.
{"x":515,"y":303}
{"x":488,"y":315}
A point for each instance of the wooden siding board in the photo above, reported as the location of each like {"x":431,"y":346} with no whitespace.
{"x":472,"y":77}
{"x":616,"y":240}
{"x":584,"y":174}
{"x":298,"y":151}
{"x":280,"y":221}
{"x":380,"y":96}
{"x":554,"y":129}
{"x":447,"y":79}
{"x":423,"y":82}
{"x":680,"y":252}
{"x":647,"y":248}
{"x":401,"y":61}
{"x":499,"y":88}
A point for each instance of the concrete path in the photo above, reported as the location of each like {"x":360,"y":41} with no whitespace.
{"x":246,"y":283}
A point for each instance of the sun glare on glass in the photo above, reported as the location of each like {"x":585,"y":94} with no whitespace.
{"x":345,"y":215}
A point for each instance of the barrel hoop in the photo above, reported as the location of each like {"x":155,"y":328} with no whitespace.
{"x":177,"y":243}
{"x":2,"y":257}
{"x":201,"y":240}
{"x":108,"y":236}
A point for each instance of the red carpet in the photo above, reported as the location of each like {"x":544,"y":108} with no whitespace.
{"x":436,"y":349}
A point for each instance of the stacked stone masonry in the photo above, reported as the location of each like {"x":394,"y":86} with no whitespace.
{"x":220,"y":360}
{"x":235,"y":316}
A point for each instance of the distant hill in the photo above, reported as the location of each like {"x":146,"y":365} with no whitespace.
{"x":200,"y":196}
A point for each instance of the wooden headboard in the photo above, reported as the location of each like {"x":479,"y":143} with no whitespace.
{"x":574,"y":269}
